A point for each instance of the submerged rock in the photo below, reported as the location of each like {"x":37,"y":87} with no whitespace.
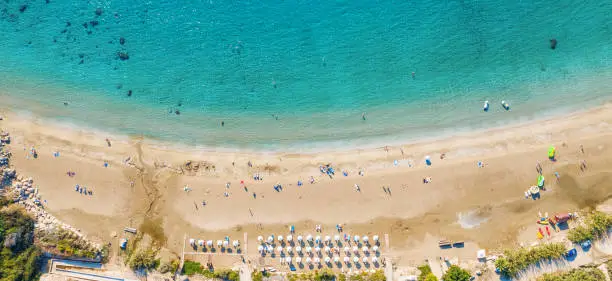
{"x":94,"y":23}
{"x":129,"y":94}
{"x":121,"y":40}
{"x":553,"y":43}
{"x":22,"y":8}
{"x":99,"y":11}
{"x":123,"y":55}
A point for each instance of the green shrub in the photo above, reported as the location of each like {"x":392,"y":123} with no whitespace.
{"x":22,"y":261}
{"x":579,"y":234}
{"x":170,"y":266}
{"x":516,"y":260}
{"x":578,"y":274}
{"x":424,"y":270}
{"x":192,"y":267}
{"x":455,"y":273}
{"x":431,"y":277}
{"x":378,"y":275}
{"x":144,"y":259}
{"x":596,"y":225}
{"x":324,"y":275}
{"x":257,"y":276}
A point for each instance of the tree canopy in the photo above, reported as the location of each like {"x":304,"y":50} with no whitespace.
{"x":455,"y":273}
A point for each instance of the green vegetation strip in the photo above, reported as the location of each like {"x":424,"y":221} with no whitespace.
{"x":578,"y":274}
{"x":516,"y":260}
{"x":195,"y":268}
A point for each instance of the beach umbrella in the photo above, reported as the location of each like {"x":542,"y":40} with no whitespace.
{"x":346,"y":259}
{"x":298,"y":260}
{"x":289,"y":248}
{"x":347,"y":250}
{"x":366,"y":239}
{"x":375,"y":249}
{"x":355,"y":259}
{"x":298,"y":249}
{"x":317,"y":249}
{"x":365,"y":249}
{"x":201,"y":243}
{"x":337,"y":238}
{"x":288,"y":259}
{"x":365,"y":259}
{"x":309,"y":237}
{"x":356,"y":238}
{"x":260,"y":248}
{"x":270,"y":239}
{"x":260,"y":239}
{"x":327,"y":259}
{"x":375,"y":238}
{"x":209,"y":243}
{"x":308,"y":249}
{"x":374,"y":259}
{"x":317,"y":260}
{"x":280,"y":238}
{"x":300,"y":238}
{"x":219,"y":243}
{"x":192,"y":241}
{"x":327,"y":238}
{"x":318,"y":239}
{"x":279,"y":249}
{"x":336,"y":258}
{"x":236,"y":243}
{"x":308,"y":260}
{"x":327,"y":249}
{"x":355,"y":249}
{"x":289,"y":238}
{"x":225,"y":243}
{"x":270,"y":249}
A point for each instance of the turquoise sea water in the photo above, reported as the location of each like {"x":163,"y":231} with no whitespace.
{"x":299,"y":74}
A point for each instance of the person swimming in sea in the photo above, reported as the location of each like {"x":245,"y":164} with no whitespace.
{"x":363,"y":116}
{"x":222,"y":123}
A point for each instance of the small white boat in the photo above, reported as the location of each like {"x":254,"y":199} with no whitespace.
{"x":486,"y":106}
{"x":505,"y":105}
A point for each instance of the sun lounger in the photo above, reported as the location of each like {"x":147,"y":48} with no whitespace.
{"x":445,"y":243}
{"x":130,"y":230}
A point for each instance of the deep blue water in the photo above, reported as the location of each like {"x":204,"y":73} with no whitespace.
{"x":313,"y":65}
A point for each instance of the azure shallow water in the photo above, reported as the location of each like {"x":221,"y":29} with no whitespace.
{"x":299,"y":74}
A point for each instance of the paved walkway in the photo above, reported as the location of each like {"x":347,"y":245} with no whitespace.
{"x":245,"y":272}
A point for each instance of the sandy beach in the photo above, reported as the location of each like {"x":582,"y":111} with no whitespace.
{"x":142,"y":184}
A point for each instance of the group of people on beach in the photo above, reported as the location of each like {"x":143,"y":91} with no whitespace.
{"x":83,"y":190}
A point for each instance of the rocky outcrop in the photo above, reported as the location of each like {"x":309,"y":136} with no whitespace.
{"x":192,"y":168}
{"x":21,"y":190}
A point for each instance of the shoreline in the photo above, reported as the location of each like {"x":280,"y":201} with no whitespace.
{"x":406,"y":136}
{"x":379,"y":143}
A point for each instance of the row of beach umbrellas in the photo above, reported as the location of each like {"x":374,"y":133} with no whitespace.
{"x":336,"y":259}
{"x":317,"y":239}
{"x":309,"y":249}
{"x":209,"y":243}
